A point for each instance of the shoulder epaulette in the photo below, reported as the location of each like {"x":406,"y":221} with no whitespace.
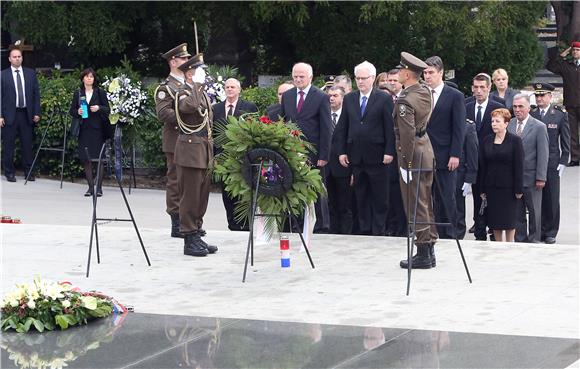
{"x":559,"y":107}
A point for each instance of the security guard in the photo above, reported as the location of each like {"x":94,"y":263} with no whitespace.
{"x":411,"y":114}
{"x":193,"y":157}
{"x":556,"y":120}
{"x":165,"y":108}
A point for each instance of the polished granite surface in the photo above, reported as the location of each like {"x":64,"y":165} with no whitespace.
{"x":157,"y":341}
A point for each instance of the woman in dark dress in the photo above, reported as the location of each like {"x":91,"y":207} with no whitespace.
{"x":501,"y":172}
{"x":95,"y":129}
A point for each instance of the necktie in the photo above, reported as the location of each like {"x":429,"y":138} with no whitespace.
{"x":542,"y":112}
{"x":230,"y":110}
{"x":520,"y":129}
{"x":363,"y":106}
{"x":478,"y":117}
{"x":20,"y":90}
{"x":433,"y":99}
{"x":300,"y":101}
{"x":334,"y":115}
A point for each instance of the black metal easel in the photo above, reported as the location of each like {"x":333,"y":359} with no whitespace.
{"x":411,"y":233}
{"x":62,"y":150}
{"x":289,"y":216}
{"x":94,"y":228}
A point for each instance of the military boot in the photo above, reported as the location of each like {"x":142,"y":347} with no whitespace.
{"x":175,"y":226}
{"x":193,"y":245}
{"x":210,"y":248}
{"x":432,"y":254}
{"x":421,"y":260}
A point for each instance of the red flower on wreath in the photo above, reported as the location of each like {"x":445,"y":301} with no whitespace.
{"x":295,"y":133}
{"x":264,"y":119}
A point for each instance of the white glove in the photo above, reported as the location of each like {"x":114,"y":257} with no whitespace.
{"x":466,"y":188}
{"x":561,"y":168}
{"x":404,"y":175}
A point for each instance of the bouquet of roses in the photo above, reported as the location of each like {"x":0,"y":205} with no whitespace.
{"x":126,"y":98}
{"x":45,"y":304}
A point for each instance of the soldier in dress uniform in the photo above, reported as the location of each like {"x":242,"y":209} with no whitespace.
{"x":165,"y":108}
{"x":193,"y":157}
{"x":556,"y":120}
{"x":411,"y":114}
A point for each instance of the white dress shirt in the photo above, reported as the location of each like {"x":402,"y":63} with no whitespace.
{"x":305,"y":93}
{"x":483,"y":107}
{"x":233,"y":104}
{"x":16,"y":85}
{"x":437,"y":94}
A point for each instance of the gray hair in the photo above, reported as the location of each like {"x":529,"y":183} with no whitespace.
{"x":522,"y":97}
{"x":235,"y":81}
{"x":368,"y":66}
{"x":343,"y":78}
{"x":308,"y":68}
{"x":337,"y":88}
{"x":436,"y":62}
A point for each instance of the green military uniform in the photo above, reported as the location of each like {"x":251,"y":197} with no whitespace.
{"x":193,"y":158}
{"x":411,"y":114}
{"x":165,"y":108}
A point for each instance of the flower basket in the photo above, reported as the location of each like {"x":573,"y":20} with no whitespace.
{"x":46,"y":305}
{"x":287,"y":182}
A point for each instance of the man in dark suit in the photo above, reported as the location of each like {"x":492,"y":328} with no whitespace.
{"x":570,"y":72}
{"x":535,"y":142}
{"x":273,"y":111}
{"x":309,"y":108}
{"x":556,"y":121}
{"x":338,"y":178}
{"x":19,"y":115}
{"x":479,"y":111}
{"x":235,"y":106}
{"x":466,"y":174}
{"x":446,"y":130}
{"x":366,"y":143}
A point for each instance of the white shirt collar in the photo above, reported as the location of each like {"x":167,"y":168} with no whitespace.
{"x":338,"y":112}
{"x":14,"y":69}
{"x":483,"y":106}
{"x":179,"y":78}
{"x":305,"y":91}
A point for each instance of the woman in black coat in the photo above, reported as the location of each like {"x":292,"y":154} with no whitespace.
{"x":500,"y":175}
{"x":95,"y":129}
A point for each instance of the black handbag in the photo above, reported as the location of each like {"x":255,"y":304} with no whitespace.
{"x":75,"y":126}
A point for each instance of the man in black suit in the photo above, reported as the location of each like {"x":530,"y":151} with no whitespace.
{"x":19,"y":115}
{"x":338,"y":178}
{"x":235,"y":106}
{"x":273,"y":111}
{"x":556,"y":120}
{"x":309,"y":108}
{"x":479,"y":111}
{"x":366,"y":143}
{"x":466,"y":174}
{"x":446,"y":130}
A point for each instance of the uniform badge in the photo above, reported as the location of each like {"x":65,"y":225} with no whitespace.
{"x":402,"y":110}
{"x":161,"y":95}
{"x":552,"y":126}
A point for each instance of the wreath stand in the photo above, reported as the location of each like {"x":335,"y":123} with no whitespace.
{"x":411,"y":232}
{"x":255,"y":187}
{"x":55,"y":113}
{"x":94,"y":227}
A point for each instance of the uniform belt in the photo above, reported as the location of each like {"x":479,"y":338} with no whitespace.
{"x":420,"y":133}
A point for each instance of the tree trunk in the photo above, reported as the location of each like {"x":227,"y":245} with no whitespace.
{"x":567,"y":20}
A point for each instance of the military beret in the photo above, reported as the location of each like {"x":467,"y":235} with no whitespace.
{"x":177,"y":52}
{"x":542,"y":88}
{"x":409,"y":61}
{"x":575,"y":44}
{"x":194,"y":62}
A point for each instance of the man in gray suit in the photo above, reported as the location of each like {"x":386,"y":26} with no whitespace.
{"x":534,"y":137}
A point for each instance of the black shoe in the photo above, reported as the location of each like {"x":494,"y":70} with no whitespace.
{"x":574,"y":163}
{"x":10,"y":178}
{"x":550,"y":240}
{"x":432,"y":254}
{"x":99,"y":192}
{"x":89,"y":192}
{"x":422,"y":260}
{"x":472,"y":229}
{"x":193,"y":246}
{"x":210,"y":248}
{"x":31,"y":178}
{"x":175,"y":226}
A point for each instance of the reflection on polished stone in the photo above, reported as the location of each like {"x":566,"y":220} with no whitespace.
{"x":167,"y":341}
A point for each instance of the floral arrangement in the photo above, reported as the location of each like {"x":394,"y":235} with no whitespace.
{"x":237,"y":137}
{"x":126,"y":98}
{"x":214,"y":88}
{"x":46,"y":305}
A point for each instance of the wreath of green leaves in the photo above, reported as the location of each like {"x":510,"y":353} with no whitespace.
{"x":237,"y":136}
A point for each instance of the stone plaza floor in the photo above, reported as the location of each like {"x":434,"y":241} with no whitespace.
{"x":521,"y":311}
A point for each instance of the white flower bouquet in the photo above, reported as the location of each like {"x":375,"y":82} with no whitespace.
{"x":214,"y":88}
{"x":126,"y":98}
